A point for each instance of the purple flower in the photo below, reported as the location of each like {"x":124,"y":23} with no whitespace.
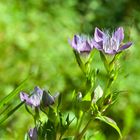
{"x":48,"y":99}
{"x":35,"y":99}
{"x":33,"y":133}
{"x":103,"y":41}
{"x":81,"y":44}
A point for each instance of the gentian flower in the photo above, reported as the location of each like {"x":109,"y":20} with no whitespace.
{"x":108,"y":44}
{"x":33,"y":133}
{"x":35,"y":98}
{"x":81,"y":44}
{"x":48,"y":99}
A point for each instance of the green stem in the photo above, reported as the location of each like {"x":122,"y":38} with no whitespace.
{"x":80,"y":135}
{"x":60,"y":137}
{"x":36,"y":116}
{"x":80,"y":123}
{"x":108,"y":85}
{"x":110,"y":80}
{"x":79,"y":61}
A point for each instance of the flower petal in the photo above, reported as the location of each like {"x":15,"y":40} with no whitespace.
{"x":25,"y":97}
{"x":111,"y":52}
{"x":47,"y":99}
{"x":34,"y":99}
{"x":56,"y":95}
{"x":33,"y":133}
{"x":81,"y":43}
{"x":98,"y":35}
{"x":85,"y":47}
{"x":125,"y":46}
{"x":119,"y":34}
{"x":38,"y":91}
{"x":97,"y":45}
{"x":75,"y":41}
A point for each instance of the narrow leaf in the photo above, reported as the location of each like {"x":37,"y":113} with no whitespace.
{"x":104,"y":61}
{"x":91,"y":56}
{"x":85,"y":105}
{"x":79,"y":61}
{"x":110,"y":122}
{"x":10,"y":96}
{"x":26,"y":137}
{"x":7,"y":115}
{"x":68,"y":138}
{"x":98,"y":93}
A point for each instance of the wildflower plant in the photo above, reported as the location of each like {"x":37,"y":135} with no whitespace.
{"x":87,"y":106}
{"x":110,"y":44}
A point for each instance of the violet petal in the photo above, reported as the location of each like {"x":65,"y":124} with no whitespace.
{"x":112,"y":52}
{"x":25,"y":97}
{"x":34,"y":99}
{"x":33,"y":133}
{"x":75,"y":41}
{"x":47,"y":99}
{"x":97,"y":45}
{"x":125,"y":46}
{"x":98,"y":35}
{"x":85,"y":47}
{"x":38,"y":91}
{"x":81,"y":43}
{"x":119,"y":34}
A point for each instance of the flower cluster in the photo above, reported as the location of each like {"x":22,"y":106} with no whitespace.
{"x":81,"y":43}
{"x":102,"y":41}
{"x":37,"y":97}
{"x":86,"y":106}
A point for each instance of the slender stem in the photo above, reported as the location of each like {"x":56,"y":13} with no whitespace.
{"x":80,"y":135}
{"x":80,"y":123}
{"x":109,"y":82}
{"x":60,"y":137}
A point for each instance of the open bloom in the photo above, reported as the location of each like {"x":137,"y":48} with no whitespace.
{"x":35,"y":98}
{"x":33,"y":133}
{"x":48,"y":99}
{"x":81,"y":43}
{"x":103,"y":41}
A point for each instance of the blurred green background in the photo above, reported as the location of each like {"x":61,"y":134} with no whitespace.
{"x":34,"y":41}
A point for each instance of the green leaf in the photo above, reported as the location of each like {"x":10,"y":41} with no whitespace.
{"x":59,"y":100}
{"x":116,"y":57}
{"x":26,"y":107}
{"x":10,"y":96}
{"x":52,"y":115}
{"x":85,"y":105}
{"x":79,"y":61}
{"x":26,"y":137}
{"x":68,"y":138}
{"x":49,"y":129}
{"x":87,"y":97}
{"x":91,"y":56}
{"x":63,"y":124}
{"x":68,"y":120}
{"x":98,"y":93}
{"x":6,"y":109}
{"x":88,"y":62}
{"x":104,"y":61}
{"x":7,"y":115}
{"x":110,"y":122}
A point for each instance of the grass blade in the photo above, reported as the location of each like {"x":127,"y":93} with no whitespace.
{"x":11,"y":95}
